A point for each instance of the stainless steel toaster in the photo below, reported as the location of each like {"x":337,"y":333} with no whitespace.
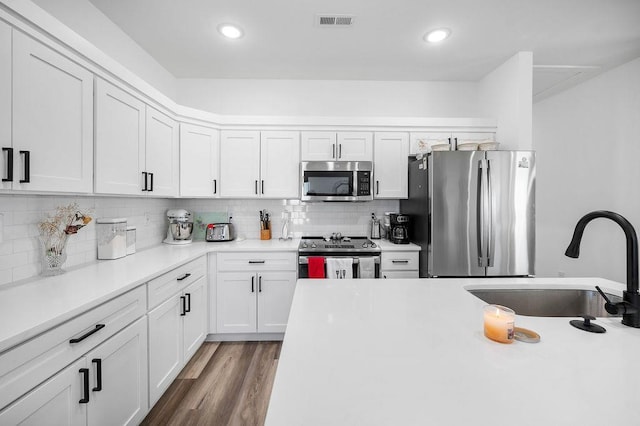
{"x":220,"y":232}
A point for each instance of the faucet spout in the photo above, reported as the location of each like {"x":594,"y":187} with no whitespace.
{"x":631,"y":317}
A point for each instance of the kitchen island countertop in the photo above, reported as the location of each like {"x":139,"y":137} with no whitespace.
{"x":412,"y":352}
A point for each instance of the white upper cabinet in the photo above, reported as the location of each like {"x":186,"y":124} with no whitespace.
{"x":52,"y":119}
{"x":162,"y":154}
{"x":199,"y":161}
{"x":340,"y":146}
{"x":391,"y":150}
{"x":120,"y":141}
{"x":279,"y":164}
{"x":5,"y":104}
{"x":239,"y":164}
{"x":254,"y":164}
{"x":137,"y":147}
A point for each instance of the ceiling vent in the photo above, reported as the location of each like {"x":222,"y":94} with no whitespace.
{"x":334,"y":20}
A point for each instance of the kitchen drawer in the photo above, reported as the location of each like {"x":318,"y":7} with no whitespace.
{"x":166,"y":285}
{"x":390,"y":275}
{"x":257,"y":261}
{"x":27,"y":365}
{"x":400,"y":260}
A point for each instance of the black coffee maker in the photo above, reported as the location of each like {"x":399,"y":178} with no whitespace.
{"x":399,"y":228}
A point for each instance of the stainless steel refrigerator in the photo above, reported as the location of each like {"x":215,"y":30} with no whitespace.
{"x":473,"y":213}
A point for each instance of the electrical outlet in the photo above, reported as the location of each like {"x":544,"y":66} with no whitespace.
{"x":147,"y":218}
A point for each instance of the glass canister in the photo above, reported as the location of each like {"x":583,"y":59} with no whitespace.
{"x":112,"y":238}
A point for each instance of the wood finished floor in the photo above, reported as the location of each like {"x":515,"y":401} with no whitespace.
{"x":225,"y":383}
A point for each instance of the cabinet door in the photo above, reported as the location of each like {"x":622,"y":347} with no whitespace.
{"x":120,"y":140}
{"x":318,"y":146}
{"x":275,"y":293}
{"x":239,"y":163}
{"x":52,"y":120}
{"x":421,"y":142}
{"x":195,"y":320}
{"x":162,"y":154}
{"x":355,"y":146}
{"x":5,"y":103}
{"x":119,"y":378}
{"x":165,"y":346}
{"x":199,"y":161}
{"x":53,"y":402}
{"x":279,"y":164}
{"x":399,"y":274}
{"x":236,"y":302}
{"x":391,"y":165}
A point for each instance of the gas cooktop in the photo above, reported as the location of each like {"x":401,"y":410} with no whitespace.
{"x":337,"y":243}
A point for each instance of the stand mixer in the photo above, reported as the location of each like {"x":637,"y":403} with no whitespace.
{"x":180,"y":227}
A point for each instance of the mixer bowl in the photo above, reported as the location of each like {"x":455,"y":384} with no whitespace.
{"x":181,"y":230}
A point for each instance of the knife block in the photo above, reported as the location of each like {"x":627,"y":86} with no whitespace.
{"x":265,"y":234}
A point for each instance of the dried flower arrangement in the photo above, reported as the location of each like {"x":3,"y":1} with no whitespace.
{"x":67,"y":220}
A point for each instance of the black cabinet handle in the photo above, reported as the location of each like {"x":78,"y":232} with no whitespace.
{"x":188,"y":308}
{"x":262,"y":186}
{"x":399,"y":261}
{"x":259,"y":283}
{"x":151,"y":186}
{"x":256,"y":187}
{"x":253,"y":289}
{"x":27,"y":165}
{"x":98,"y":363}
{"x":339,"y":151}
{"x":377,"y":187}
{"x":183,"y":301}
{"x":215,"y":186}
{"x":9,"y":177}
{"x":185,"y":276}
{"x":97,"y":328}
{"x":85,"y":385}
{"x":333,"y":151}
{"x":144,"y":177}
{"x":256,"y":261}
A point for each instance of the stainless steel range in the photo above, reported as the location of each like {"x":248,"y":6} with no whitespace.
{"x":338,"y":247}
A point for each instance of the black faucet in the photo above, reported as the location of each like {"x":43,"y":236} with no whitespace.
{"x":630,"y":307}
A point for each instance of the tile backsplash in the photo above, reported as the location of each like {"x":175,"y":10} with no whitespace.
{"x":19,"y":214}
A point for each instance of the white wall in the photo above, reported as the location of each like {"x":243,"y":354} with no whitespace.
{"x":330,"y":98}
{"x":506,"y":94}
{"x":90,"y":23}
{"x":588,"y":147}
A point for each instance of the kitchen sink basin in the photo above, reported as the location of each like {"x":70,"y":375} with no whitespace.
{"x":548,"y":302}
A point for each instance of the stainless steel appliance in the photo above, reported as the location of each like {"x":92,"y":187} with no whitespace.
{"x":336,"y":180}
{"x":399,"y":228}
{"x":220,"y":232}
{"x":337,"y":246}
{"x":180,"y":227}
{"x":375,"y":227}
{"x":473,"y":213}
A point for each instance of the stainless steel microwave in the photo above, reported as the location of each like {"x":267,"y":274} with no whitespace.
{"x":336,"y":180}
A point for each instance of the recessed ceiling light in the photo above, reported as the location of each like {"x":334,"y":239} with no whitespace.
{"x":230,"y":31}
{"x":437,"y":36}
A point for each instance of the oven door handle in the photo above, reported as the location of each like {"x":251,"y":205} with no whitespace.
{"x":304,"y":260}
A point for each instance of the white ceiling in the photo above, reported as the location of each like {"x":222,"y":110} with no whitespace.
{"x":578,"y":38}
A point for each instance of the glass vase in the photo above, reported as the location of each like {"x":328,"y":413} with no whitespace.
{"x":54,"y":254}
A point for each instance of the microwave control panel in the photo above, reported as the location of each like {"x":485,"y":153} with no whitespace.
{"x":364,"y":183}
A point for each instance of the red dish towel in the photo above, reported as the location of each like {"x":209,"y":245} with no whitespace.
{"x":316,"y":267}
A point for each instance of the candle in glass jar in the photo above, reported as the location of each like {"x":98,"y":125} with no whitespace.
{"x":499,"y":323}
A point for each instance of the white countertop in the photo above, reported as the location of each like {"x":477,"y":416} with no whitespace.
{"x":412,"y":352}
{"x":387,"y":245}
{"x":31,"y":308}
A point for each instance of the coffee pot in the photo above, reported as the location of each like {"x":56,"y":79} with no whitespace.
{"x":399,"y":229}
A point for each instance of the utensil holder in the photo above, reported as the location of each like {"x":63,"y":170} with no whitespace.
{"x":265,"y":234}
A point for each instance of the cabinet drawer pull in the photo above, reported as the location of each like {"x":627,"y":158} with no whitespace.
{"x":97,"y":328}
{"x":9,"y":177}
{"x":27,"y":164}
{"x":188,"y":307}
{"x":256,"y":261}
{"x":85,"y":385}
{"x":399,"y":261}
{"x":98,"y":363}
{"x":183,"y":303}
{"x":184,"y":277}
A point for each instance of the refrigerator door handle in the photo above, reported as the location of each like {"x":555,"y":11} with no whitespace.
{"x":483,"y":213}
{"x":489,"y":217}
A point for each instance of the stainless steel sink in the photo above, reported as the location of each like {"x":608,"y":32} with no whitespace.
{"x":548,"y":302}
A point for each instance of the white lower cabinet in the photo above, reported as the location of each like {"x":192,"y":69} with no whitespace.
{"x":177,"y":326}
{"x":254,"y":292}
{"x":107,"y":386}
{"x":399,"y":264}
